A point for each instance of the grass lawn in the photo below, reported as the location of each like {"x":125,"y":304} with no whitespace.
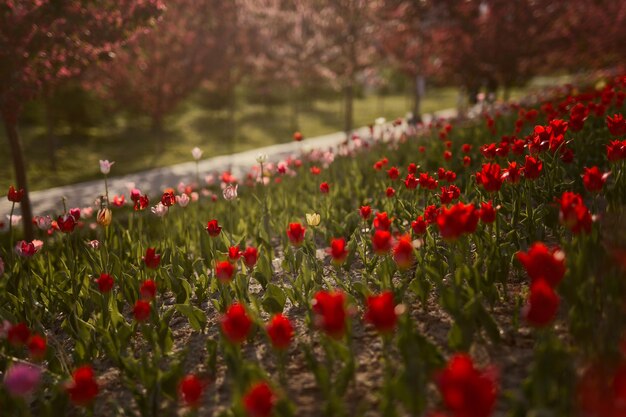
{"x":134,"y":147}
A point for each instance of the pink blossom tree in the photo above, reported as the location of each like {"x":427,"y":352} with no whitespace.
{"x":349,"y":28}
{"x":407,"y":41}
{"x":288,"y":46}
{"x":157,"y":69}
{"x":44,"y":43}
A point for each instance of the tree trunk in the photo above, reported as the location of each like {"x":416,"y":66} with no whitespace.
{"x":15,"y":144}
{"x":461,"y":102}
{"x":52,"y":139}
{"x":157,"y":123}
{"x":418,"y":93}
{"x":348,"y":112}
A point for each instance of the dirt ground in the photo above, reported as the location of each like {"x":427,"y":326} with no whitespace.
{"x":511,"y":358}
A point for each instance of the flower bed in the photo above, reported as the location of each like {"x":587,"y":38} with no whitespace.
{"x":448,"y":270}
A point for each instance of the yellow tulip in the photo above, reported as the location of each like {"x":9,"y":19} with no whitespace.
{"x":313,"y":219}
{"x":104,"y":217}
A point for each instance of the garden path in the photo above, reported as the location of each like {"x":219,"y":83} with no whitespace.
{"x":155,"y":180}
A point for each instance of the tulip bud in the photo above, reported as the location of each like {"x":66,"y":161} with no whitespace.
{"x":182,"y":200}
{"x":104,"y":217}
{"x":196,"y":153}
{"x":105,"y":166}
{"x":313,"y":219}
{"x":230,"y":192}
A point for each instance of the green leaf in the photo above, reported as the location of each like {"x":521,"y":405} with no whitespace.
{"x":196,"y":317}
{"x":274,"y":299}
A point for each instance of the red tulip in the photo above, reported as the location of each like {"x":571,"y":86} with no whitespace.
{"x":152,"y":259}
{"x":573,"y":213}
{"x":259,"y":400}
{"x":512,"y":173}
{"x":390,"y":192}
{"x":541,"y":262}
{"x":382,"y":221}
{"x":213,"y":228}
{"x":616,"y":125}
{"x":488,"y":150}
{"x":427,"y":182}
{"x":457,"y":220}
{"x":280,"y":331}
{"x":105,"y":283}
{"x":295,"y":233}
{"x":518,"y":147}
{"x":75,"y":212}
{"x":487,"y":212}
{"x":234,"y":253}
{"x":467,"y":391}
{"x":66,"y":223}
{"x":467,"y":161}
{"x":190,"y":390}
{"x":224,"y":271}
{"x":142,"y":310}
{"x":236,"y":324}
{"x":594,"y":180}
{"x":431,"y":213}
{"x":419,"y":225}
{"x":412,"y":168}
{"x":141,"y":202}
{"x":543,"y":304}
{"x":404,"y":253}
{"x":578,"y":115}
{"x":532,"y":167}
{"x":365,"y":212}
{"x":83,"y":388}
{"x":381,"y":242}
{"x":601,"y":390}
{"x":381,"y":312}
{"x":118,"y":200}
{"x":148,"y":289}
{"x":28,"y":249}
{"x":393,"y":173}
{"x":14,"y":195}
{"x":449,"y":193}
{"x":567,"y":155}
{"x":37,"y":347}
{"x":411,"y":182}
{"x":18,"y":334}
{"x":616,"y":150}
{"x":324,"y":188}
{"x":168,"y":198}
{"x":490,"y":177}
{"x":297,"y":136}
{"x":250,"y":256}
{"x":330,"y":312}
{"x":338,"y":251}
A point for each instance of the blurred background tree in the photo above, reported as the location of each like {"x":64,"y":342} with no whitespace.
{"x":229,"y":75}
{"x":43,"y":44}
